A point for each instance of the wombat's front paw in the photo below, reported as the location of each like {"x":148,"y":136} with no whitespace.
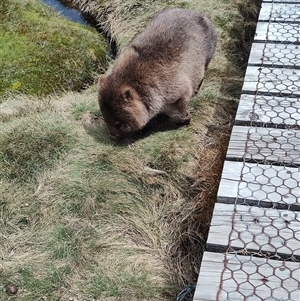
{"x":186,"y":120}
{"x":183,"y":119}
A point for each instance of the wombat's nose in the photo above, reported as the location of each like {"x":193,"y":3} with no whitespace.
{"x":115,"y":136}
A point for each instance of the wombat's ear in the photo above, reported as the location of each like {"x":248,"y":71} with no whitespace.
{"x":102,"y":81}
{"x":128,"y":94}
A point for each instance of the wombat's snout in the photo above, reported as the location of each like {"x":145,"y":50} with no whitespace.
{"x":115,"y":136}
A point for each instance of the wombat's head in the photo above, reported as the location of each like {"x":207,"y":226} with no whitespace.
{"x":122,"y":108}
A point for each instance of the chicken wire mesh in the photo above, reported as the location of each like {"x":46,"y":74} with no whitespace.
{"x":252,"y":279}
{"x":263,"y":253}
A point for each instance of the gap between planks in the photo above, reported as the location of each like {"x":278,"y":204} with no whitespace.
{"x":281,"y":1}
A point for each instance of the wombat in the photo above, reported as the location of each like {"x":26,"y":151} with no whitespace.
{"x":158,"y":73}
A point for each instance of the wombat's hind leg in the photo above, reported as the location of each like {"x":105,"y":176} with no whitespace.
{"x":178,"y":110}
{"x":198,"y":88}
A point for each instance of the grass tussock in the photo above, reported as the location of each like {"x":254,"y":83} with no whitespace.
{"x":85,"y":218}
{"x":30,"y":144}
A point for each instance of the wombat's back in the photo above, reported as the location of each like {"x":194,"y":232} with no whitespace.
{"x":177,"y":41}
{"x":174,"y":32}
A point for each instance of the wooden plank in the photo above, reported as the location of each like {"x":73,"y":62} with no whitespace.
{"x":272,"y":80}
{"x":264,"y":145}
{"x":235,"y":278}
{"x":261,"y":109}
{"x":255,"y":230}
{"x":274,"y":55}
{"x":281,"y":1}
{"x":276,"y":12}
{"x":257,"y":184}
{"x":277,"y":32}
{"x":274,"y":101}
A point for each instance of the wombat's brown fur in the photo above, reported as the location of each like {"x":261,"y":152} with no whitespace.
{"x":159,"y":72}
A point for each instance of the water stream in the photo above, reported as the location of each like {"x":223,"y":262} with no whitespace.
{"x":75,"y":16}
{"x":69,"y":13}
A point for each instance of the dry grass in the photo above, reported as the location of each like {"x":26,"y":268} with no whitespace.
{"x":85,"y":218}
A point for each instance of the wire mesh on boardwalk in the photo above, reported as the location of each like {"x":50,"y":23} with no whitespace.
{"x":256,"y":222}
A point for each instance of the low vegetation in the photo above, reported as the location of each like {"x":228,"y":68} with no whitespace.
{"x":83,"y":217}
{"x":42,"y":53}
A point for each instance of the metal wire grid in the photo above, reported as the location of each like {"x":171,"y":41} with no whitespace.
{"x":281,"y":12}
{"x":252,"y":279}
{"x":278,"y":146}
{"x":277,"y":112}
{"x":269,"y":232}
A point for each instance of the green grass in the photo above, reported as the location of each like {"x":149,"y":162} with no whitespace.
{"x":30,"y":144}
{"x":122,"y":284}
{"x":83,"y":217}
{"x":42,"y":53}
{"x":45,"y":285}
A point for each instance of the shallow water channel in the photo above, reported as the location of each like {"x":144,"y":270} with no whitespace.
{"x":69,"y":13}
{"x":75,"y":16}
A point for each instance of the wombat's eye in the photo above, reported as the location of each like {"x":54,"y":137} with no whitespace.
{"x":118,"y":124}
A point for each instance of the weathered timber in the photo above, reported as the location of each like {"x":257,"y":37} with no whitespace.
{"x":274,"y":55}
{"x":277,"y":81}
{"x":232,"y":277}
{"x":264,"y":145}
{"x":255,"y":230}
{"x":280,"y":12}
{"x":277,"y":32}
{"x":258,"y":184}
{"x":281,"y":1}
{"x":257,"y":214}
{"x":268,"y":110}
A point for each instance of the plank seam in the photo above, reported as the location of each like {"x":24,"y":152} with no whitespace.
{"x":257,"y":203}
{"x":264,"y":162}
{"x":277,"y":22}
{"x":275,"y":94}
{"x":295,"y":67}
{"x":215,"y":248}
{"x":281,"y":126}
{"x":281,"y":2}
{"x":277,"y":42}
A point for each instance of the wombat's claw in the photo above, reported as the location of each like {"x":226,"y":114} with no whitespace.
{"x":187,"y":118}
{"x":184,"y":120}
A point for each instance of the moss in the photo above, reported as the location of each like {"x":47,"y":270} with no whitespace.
{"x":42,"y":53}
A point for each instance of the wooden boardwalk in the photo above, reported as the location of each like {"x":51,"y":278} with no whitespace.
{"x":253,"y":248}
